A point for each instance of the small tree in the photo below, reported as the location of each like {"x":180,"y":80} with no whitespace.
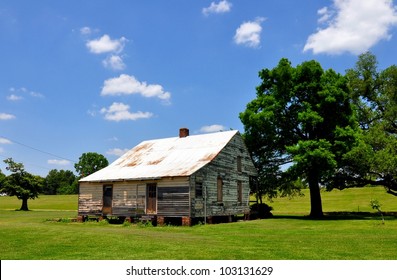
{"x":90,"y":163}
{"x":20,"y":183}
{"x":376,"y":206}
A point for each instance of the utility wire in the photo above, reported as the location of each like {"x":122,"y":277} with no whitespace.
{"x":38,"y":150}
{"x":27,"y":163}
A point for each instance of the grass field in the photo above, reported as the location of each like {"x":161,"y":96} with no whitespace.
{"x":359,"y":234}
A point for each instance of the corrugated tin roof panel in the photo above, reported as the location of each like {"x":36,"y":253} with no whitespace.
{"x":169,"y":157}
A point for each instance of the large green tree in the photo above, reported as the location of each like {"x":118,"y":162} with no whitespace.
{"x":89,"y":163}
{"x":2,"y":178}
{"x":20,"y":183}
{"x":60,"y":182}
{"x":373,"y":161}
{"x":300,"y":125}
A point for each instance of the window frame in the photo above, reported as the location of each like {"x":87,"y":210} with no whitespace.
{"x":219,"y":187}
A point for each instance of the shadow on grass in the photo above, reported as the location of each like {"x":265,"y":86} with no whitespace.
{"x":342,"y":216}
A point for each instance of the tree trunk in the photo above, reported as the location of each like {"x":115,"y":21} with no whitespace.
{"x":24,"y":206}
{"x":316,"y":210}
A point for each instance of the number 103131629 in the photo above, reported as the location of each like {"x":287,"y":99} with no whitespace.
{"x":244,"y":271}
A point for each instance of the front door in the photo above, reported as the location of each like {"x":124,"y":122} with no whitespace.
{"x":151,"y":198}
{"x":107,"y":199}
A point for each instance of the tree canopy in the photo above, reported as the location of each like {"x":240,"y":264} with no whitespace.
{"x":300,"y":125}
{"x":89,"y":163}
{"x":20,"y":183}
{"x":373,"y":160}
{"x":2,"y":178}
{"x":60,"y":182}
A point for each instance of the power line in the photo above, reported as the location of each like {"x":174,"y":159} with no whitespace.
{"x":28,"y":163}
{"x":38,"y":150}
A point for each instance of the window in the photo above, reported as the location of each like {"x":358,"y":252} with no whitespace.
{"x":239,"y":191}
{"x":219,"y":184}
{"x":239,"y":163}
{"x":199,"y":189}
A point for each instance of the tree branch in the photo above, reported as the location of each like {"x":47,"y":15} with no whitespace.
{"x":392,"y":192}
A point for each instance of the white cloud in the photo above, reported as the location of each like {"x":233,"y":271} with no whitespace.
{"x":120,"y":112}
{"x":126,"y":85}
{"x":16,"y":93}
{"x":114,"y":62}
{"x":6,"y":117}
{"x":91,"y":113}
{"x":36,"y":94}
{"x":249,"y":33}
{"x":85,"y":30}
{"x":324,"y":14}
{"x":114,"y":138}
{"x":14,"y":97}
{"x":106,"y":44}
{"x":103,"y":45}
{"x":5,"y":141}
{"x":212,"y":128}
{"x":117,"y":152}
{"x":217,"y":8}
{"x":61,"y":162}
{"x":353,"y":26}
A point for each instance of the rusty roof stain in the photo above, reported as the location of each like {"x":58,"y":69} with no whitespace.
{"x":167,"y":157}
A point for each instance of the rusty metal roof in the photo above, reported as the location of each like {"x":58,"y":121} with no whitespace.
{"x":168,"y":157}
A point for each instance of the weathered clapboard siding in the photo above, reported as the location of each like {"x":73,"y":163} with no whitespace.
{"x":173,"y":198}
{"x":233,"y":173}
{"x":173,"y":201}
{"x":173,"y":182}
{"x":128,"y":199}
{"x":90,"y":199}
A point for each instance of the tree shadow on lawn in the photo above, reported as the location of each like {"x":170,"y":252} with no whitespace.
{"x":342,"y":216}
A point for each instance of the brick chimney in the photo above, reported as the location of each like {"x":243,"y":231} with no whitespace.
{"x":183,"y":132}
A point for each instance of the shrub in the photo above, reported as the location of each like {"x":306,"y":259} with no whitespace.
{"x":126,"y":223}
{"x":260,"y":210}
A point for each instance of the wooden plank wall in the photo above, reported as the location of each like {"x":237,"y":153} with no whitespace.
{"x":225,"y":165}
{"x":129,"y":199}
{"x":90,"y":199}
{"x":173,"y":197}
{"x":173,"y":201}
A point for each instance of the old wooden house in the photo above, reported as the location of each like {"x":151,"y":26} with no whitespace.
{"x":187,"y":177}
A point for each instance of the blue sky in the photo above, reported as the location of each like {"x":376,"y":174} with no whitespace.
{"x":102,"y":76}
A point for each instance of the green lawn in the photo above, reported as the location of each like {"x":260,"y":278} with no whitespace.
{"x":348,"y":200}
{"x":289,"y":235}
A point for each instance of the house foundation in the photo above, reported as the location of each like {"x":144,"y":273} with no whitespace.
{"x":186,"y":221}
{"x":160,"y":220}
